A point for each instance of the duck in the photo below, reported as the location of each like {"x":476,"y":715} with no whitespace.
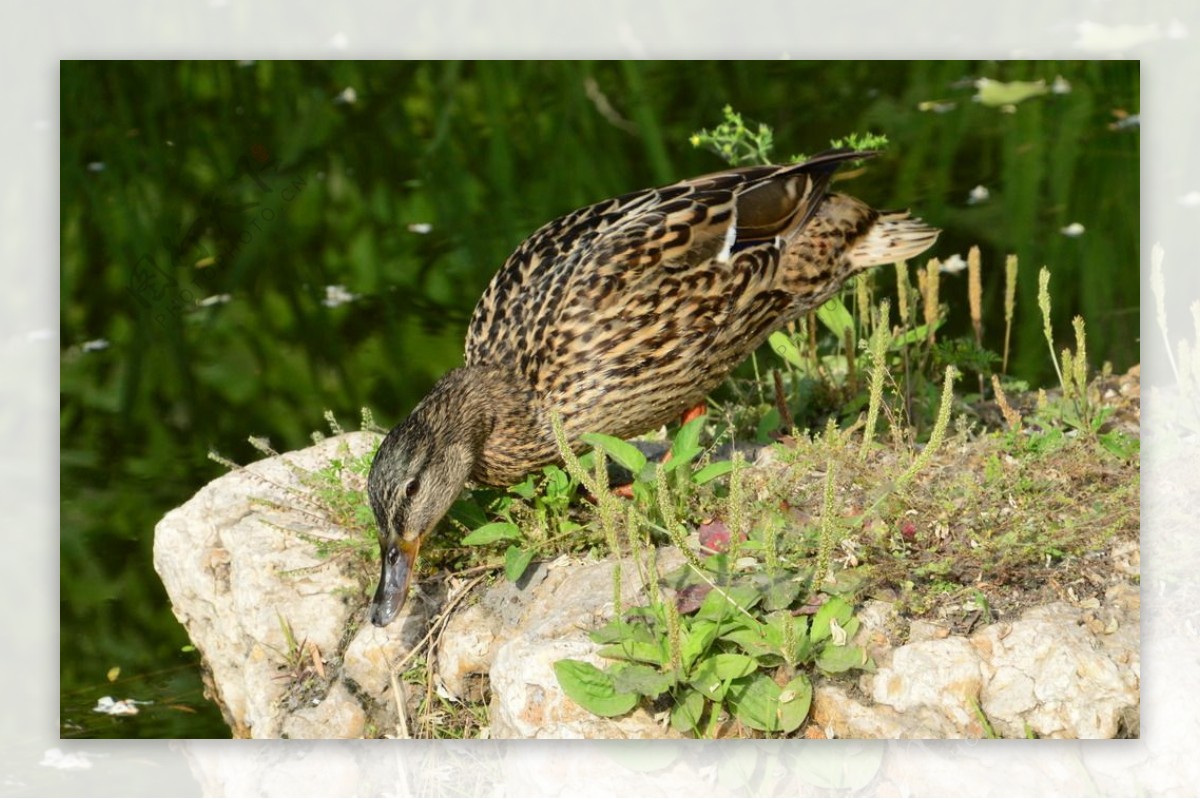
{"x":615,"y":318}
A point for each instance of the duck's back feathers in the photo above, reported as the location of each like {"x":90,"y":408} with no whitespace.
{"x":590,"y":255}
{"x":620,"y":314}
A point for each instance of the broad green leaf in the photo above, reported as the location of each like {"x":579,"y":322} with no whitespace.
{"x":731,"y":666}
{"x":646,"y":478}
{"x":615,"y":630}
{"x":755,"y":645}
{"x":768,"y":424}
{"x":776,"y":634}
{"x":835,"y":608}
{"x":490,"y":533}
{"x":467,"y":513}
{"x":682,"y":459}
{"x":641,"y":679}
{"x":713,"y":675}
{"x":723,"y":602}
{"x":642,"y":651}
{"x":755,"y":702}
{"x":804,"y":648}
{"x":785,"y":348}
{"x":836,"y":659}
{"x":593,"y":689}
{"x":918,"y":333}
{"x":1120,"y":444}
{"x":851,"y":626}
{"x":557,"y":482}
{"x":516,"y":561}
{"x":734,"y":623}
{"x":688,"y":438}
{"x":525,"y":489}
{"x":697,"y":640}
{"x":619,"y":630}
{"x":773,"y":630}
{"x":620,"y":451}
{"x":685,"y":716}
{"x":781,"y":594}
{"x":835,"y":316}
{"x":794,"y":702}
{"x":712,"y":471}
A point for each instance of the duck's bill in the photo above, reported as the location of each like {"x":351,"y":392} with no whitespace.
{"x":397,"y":560}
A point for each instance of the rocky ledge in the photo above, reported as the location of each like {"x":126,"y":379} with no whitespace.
{"x":288,"y":651}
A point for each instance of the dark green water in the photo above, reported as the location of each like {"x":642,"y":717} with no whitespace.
{"x":190,"y":181}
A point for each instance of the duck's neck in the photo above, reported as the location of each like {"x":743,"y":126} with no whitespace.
{"x":497,"y":415}
{"x":457,"y":408}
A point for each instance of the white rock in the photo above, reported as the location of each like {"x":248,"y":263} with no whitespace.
{"x":933,"y":682}
{"x":338,"y":715}
{"x":526,"y":631}
{"x":236,"y":571}
{"x":467,"y":648}
{"x":1049,"y":672}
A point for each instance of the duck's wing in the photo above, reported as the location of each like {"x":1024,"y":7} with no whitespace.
{"x":603,"y":271}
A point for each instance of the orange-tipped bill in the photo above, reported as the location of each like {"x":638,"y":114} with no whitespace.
{"x":398,"y":558}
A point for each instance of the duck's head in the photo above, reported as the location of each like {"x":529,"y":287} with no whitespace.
{"x":418,"y":472}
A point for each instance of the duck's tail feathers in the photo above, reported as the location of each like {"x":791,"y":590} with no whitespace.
{"x":894,"y":237}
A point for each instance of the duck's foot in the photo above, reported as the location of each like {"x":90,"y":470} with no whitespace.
{"x":694,"y":412}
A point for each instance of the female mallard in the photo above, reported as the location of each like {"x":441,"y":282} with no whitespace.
{"x":618,"y":317}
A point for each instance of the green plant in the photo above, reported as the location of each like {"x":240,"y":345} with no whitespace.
{"x":302,"y":667}
{"x":535,"y":512}
{"x":1081,"y":405}
{"x":334,"y":493}
{"x":720,"y":659}
{"x":741,"y":651}
{"x":743,"y":144}
{"x":735,"y":142}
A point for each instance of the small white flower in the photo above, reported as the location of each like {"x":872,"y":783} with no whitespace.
{"x":979,"y":194}
{"x":216,"y":299}
{"x":337,"y":295}
{"x":125,"y":707}
{"x":347,"y":96}
{"x":1074,"y":230}
{"x":420,"y":227}
{"x":95,"y":345}
{"x":953,"y":265}
{"x":1061,"y":85}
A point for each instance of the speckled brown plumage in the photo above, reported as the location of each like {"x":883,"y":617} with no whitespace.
{"x":618,"y":316}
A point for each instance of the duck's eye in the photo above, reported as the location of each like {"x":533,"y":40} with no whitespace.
{"x":411,"y":489}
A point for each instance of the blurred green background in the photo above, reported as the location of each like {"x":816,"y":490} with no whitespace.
{"x":207,"y":209}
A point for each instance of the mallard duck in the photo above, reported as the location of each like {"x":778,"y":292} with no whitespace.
{"x":619,"y":316}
